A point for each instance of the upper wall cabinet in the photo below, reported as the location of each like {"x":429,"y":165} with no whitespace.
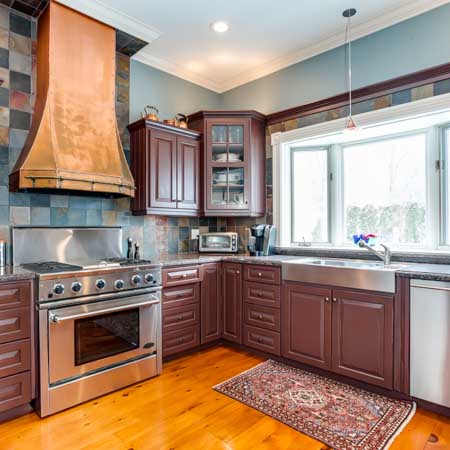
{"x":165,"y":162}
{"x":233,"y":162}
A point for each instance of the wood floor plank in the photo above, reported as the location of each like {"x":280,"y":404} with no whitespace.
{"x":180,"y":411}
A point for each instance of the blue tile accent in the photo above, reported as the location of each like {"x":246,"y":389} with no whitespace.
{"x":59,"y":217}
{"x":19,"y":199}
{"x":401,"y":97}
{"x":77,"y":217}
{"x":94,"y":217}
{"x":183,"y":233}
{"x":172,"y":221}
{"x":40,"y":216}
{"x":442,"y":87}
{"x":123,"y":218}
{"x":108,"y":204}
{"x":40,"y":200}
{"x":4,"y":195}
{"x":4,"y":215}
{"x":59,"y":201}
{"x":17,"y":138}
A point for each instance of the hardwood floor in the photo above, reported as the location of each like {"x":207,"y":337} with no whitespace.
{"x":179,"y":410}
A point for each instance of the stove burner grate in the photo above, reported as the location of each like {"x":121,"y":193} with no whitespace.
{"x":50,"y":267}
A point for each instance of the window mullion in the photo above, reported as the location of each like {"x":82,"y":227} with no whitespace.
{"x":336,"y":196}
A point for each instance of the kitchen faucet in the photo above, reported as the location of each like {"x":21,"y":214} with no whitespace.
{"x":384,"y":256}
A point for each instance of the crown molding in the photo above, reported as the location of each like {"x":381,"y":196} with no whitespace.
{"x":113,"y":17}
{"x":144,"y":56}
{"x":398,"y":15}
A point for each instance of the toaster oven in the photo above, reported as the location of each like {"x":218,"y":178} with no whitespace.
{"x":218,"y":242}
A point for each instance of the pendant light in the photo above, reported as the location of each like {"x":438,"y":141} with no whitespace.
{"x":350,"y":126}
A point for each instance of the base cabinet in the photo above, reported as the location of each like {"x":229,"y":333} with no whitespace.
{"x":363,"y":336}
{"x":346,"y":331}
{"x":211,"y":304}
{"x":232,"y":302}
{"x":306,"y":325}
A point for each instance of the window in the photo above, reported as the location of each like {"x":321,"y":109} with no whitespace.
{"x":309,"y":195}
{"x":392,"y":179}
{"x":385,"y":189}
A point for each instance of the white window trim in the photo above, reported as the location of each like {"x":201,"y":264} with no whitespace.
{"x":283,"y":141}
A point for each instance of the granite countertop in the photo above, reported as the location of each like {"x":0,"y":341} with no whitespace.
{"x":14,"y":273}
{"x":435,"y":272}
{"x":185,"y":259}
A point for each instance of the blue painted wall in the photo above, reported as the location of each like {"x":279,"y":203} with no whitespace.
{"x":170,"y":94}
{"x":412,"y":45}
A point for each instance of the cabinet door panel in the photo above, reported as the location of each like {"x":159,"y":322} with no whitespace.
{"x":188,"y":177}
{"x":211,"y":317}
{"x":363,"y":336}
{"x":163,"y":189}
{"x":232,"y":302}
{"x":306,"y":324}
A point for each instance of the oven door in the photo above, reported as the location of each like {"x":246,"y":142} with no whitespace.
{"x":86,"y":338}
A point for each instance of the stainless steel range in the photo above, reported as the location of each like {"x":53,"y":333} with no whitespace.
{"x":98,"y":314}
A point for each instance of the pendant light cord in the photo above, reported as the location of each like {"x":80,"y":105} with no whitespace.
{"x":348,"y":38}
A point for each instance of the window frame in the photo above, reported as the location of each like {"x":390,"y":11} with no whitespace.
{"x":282,"y":142}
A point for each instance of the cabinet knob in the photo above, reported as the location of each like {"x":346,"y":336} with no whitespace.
{"x":334,"y":299}
{"x":237,"y":272}
{"x":260,"y":294}
{"x":180,"y":317}
{"x":260,"y":339}
{"x":260,"y":317}
{"x":184,"y":275}
{"x":179,"y":340}
{"x":327,"y":299}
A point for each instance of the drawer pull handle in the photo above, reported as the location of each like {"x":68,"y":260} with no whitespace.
{"x":260,"y":340}
{"x":179,"y":340}
{"x":260,"y":294}
{"x":180,"y":317}
{"x":184,"y":275}
{"x":260,"y":317}
{"x":259,"y":274}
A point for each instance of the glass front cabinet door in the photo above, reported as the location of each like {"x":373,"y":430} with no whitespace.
{"x":233,"y":155}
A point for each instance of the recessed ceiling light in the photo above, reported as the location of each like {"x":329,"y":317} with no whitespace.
{"x":219,"y":26}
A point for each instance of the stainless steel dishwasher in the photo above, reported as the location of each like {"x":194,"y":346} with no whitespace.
{"x":430,"y":341}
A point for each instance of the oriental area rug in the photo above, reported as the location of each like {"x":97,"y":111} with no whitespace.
{"x":341,"y":416}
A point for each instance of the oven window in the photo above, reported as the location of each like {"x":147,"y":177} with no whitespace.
{"x":105,"y":335}
{"x":220,"y":242}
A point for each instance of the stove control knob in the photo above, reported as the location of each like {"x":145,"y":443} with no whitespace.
{"x":76,"y":287}
{"x":58,"y":289}
{"x":136,"y":279}
{"x":119,"y":284}
{"x":100,"y":284}
{"x":149,"y":278}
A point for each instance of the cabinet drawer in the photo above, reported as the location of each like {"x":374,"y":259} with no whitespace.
{"x":180,"y":275}
{"x":262,"y":294}
{"x":15,"y":357}
{"x":265,"y":340}
{"x":261,"y":316}
{"x":180,"y":340}
{"x":262,"y":274}
{"x":180,"y":317}
{"x":14,"y":295}
{"x":180,"y":296}
{"x":14,"y":324}
{"x":15,"y":391}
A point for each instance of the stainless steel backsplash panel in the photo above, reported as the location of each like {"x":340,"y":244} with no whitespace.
{"x":35,"y":244}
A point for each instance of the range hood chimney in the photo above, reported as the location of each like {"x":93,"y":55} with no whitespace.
{"x":74,"y":142}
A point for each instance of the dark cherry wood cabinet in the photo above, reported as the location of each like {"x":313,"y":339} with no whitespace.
{"x":306,"y":324}
{"x":211,"y":304}
{"x":165,"y":163}
{"x":363,"y":336}
{"x":232,"y":302}
{"x":16,"y":348}
{"x":233,"y":162}
{"x":346,"y":331}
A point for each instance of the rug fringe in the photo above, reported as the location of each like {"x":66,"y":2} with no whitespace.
{"x":402,"y":426}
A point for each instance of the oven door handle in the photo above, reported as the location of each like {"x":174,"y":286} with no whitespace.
{"x":58,"y":318}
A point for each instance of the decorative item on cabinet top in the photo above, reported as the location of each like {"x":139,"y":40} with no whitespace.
{"x":148,"y":115}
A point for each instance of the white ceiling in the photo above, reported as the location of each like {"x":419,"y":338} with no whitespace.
{"x":264,"y":35}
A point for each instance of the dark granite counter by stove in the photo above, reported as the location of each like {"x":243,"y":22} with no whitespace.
{"x":434,"y":272}
{"x":13,"y":273}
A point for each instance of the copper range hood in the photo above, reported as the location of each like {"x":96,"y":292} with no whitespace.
{"x":74,"y":142}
